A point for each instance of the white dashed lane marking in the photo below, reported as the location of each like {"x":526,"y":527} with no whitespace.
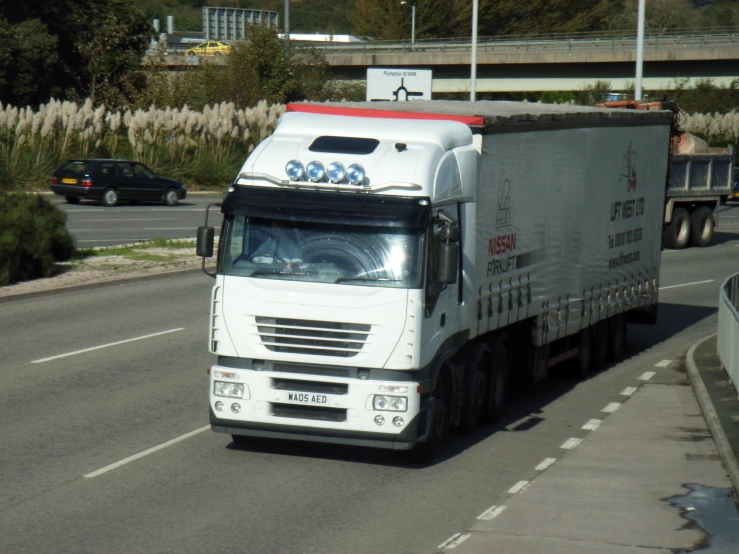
{"x":647,"y":375}
{"x":592,"y":425}
{"x":569,"y":444}
{"x":628,"y":391}
{"x":491,"y":513}
{"x":518,"y":487}
{"x":454,"y":541}
{"x":663,"y":363}
{"x":545,"y":464}
{"x":612,"y":407}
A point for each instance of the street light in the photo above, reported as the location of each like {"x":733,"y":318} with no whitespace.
{"x":473,"y":61}
{"x":639,"y":51}
{"x":413,"y":20}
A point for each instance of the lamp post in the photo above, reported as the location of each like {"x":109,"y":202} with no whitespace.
{"x":473,"y":61}
{"x":287,"y":23}
{"x":413,"y":20}
{"x":639,"y":51}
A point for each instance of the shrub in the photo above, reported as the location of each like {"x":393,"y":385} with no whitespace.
{"x":33,"y":236}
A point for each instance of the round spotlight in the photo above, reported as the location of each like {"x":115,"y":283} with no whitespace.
{"x":315,"y":171}
{"x":379,"y":420}
{"x":335,"y":172}
{"x":398,"y":421}
{"x":236,"y":407}
{"x":294,"y":170}
{"x":219,"y":406}
{"x":355,"y":173}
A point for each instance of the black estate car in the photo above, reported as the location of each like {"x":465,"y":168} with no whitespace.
{"x":111,"y":181}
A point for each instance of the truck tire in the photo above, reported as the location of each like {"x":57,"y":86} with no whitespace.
{"x":583,"y":363}
{"x":677,"y":234}
{"x":497,"y":383}
{"x":601,"y":344}
{"x":441,"y":408}
{"x":701,"y":227}
{"x":618,"y":327}
{"x":477,"y":375}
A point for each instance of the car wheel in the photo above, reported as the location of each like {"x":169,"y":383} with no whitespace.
{"x":171,"y":198}
{"x":192,"y":55}
{"x":72,"y":199}
{"x":110,"y":197}
{"x":218,"y":54}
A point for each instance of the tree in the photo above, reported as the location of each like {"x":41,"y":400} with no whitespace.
{"x":390,"y":20}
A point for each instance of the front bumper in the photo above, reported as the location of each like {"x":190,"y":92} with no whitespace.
{"x":348,"y":418}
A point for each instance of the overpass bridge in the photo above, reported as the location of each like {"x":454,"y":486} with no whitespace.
{"x":553,"y":63}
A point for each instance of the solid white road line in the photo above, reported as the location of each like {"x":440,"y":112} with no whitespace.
{"x":569,"y":444}
{"x":612,"y":407}
{"x":491,"y":513}
{"x":146,"y":452}
{"x":628,"y":391}
{"x":127,"y":219}
{"x":592,"y":425}
{"x":518,"y":487}
{"x":454,"y":541}
{"x":545,"y":464}
{"x":647,"y":375}
{"x":663,"y":363}
{"x":688,"y":284}
{"x":105,"y":346}
{"x":168,"y":229}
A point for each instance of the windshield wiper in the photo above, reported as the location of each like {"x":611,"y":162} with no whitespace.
{"x":382,"y":279}
{"x":277,"y":272}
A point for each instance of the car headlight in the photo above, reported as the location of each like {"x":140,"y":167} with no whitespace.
{"x":355,"y":173}
{"x":315,"y":171}
{"x":385,"y":403}
{"x":230,"y":390}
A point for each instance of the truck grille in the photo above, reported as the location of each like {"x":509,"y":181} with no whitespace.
{"x":317,"y":338}
{"x":309,"y":412}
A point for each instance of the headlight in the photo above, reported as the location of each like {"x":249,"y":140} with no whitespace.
{"x":315,"y":171}
{"x":335,"y":172}
{"x":294,"y":169}
{"x":355,"y":173}
{"x":390,"y":403}
{"x":230,"y":390}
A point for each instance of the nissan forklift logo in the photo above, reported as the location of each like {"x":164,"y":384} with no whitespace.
{"x":628,"y":169}
{"x":503,"y":218}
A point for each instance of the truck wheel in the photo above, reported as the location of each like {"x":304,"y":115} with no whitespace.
{"x":701,"y":227}
{"x":677,"y":233}
{"x":601,"y":344}
{"x":441,"y":408}
{"x":477,"y":372}
{"x":584,"y":361}
{"x":72,"y":199}
{"x":497,"y":384}
{"x":618,"y":330}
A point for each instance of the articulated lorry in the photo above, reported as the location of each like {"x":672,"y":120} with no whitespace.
{"x":385,"y":270}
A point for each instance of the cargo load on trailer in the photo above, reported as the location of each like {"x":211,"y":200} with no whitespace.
{"x":386,"y":270}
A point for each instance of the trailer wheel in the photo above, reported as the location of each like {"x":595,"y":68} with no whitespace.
{"x":498,"y":384}
{"x":601,"y":344}
{"x":584,"y":361}
{"x":701,"y":227}
{"x":476,"y":387}
{"x":441,"y":407}
{"x":677,"y":233}
{"x":618,"y":330}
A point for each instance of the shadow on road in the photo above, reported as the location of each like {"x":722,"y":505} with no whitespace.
{"x":525,"y":403}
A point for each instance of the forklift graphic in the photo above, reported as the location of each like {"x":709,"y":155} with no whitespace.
{"x":628,"y":170}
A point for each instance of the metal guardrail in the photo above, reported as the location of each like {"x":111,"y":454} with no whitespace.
{"x":728,"y":328}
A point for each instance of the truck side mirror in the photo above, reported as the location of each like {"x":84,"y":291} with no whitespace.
{"x":448,"y":262}
{"x":204,"y":246}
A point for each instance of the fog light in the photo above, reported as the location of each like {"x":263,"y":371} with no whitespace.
{"x":398,"y":421}
{"x":335,"y":172}
{"x":379,"y":420}
{"x":219,"y":406}
{"x":294,"y":169}
{"x":315,"y":171}
{"x":355,"y":174}
{"x":236,"y":407}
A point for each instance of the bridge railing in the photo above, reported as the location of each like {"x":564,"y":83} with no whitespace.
{"x":728,"y":328}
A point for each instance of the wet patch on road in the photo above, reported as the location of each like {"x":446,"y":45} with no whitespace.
{"x":716,"y":513}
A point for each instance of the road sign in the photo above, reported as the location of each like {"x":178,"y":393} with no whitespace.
{"x":398,"y":85}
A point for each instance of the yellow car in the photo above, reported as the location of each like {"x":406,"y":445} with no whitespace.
{"x":210,"y":48}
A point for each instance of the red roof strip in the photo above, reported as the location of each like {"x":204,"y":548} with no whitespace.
{"x":384,"y":114}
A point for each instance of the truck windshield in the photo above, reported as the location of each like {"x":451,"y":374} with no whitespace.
{"x":321,"y":252}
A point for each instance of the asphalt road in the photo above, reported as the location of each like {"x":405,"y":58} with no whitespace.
{"x":104,"y":444}
{"x":95,"y":225}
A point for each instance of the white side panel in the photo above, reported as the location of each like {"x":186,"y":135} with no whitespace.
{"x":569,"y":226}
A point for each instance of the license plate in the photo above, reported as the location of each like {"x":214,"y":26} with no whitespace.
{"x":68,"y":181}
{"x":307,"y":398}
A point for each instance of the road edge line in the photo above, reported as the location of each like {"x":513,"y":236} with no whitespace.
{"x":709,"y":413}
